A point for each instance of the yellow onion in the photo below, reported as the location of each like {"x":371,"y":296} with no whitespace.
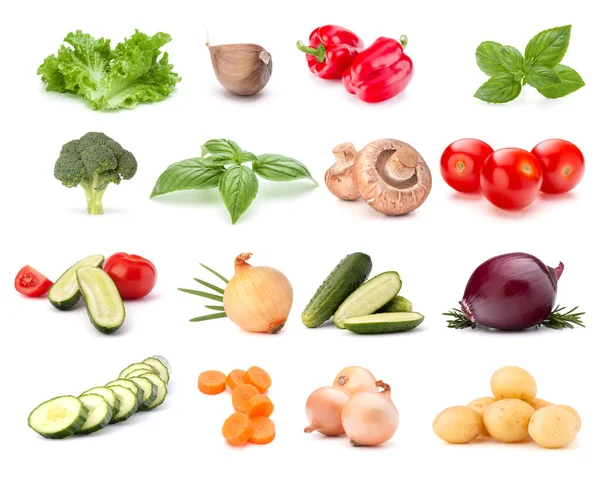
{"x":324,"y":411}
{"x":356,"y":379}
{"x":257,"y":299}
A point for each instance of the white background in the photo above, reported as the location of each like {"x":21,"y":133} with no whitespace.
{"x":298,"y":229}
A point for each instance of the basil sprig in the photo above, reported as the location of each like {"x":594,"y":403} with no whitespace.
{"x":540,"y":67}
{"x":222,"y":165}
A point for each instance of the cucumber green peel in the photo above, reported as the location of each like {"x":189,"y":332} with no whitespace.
{"x":385,"y":323}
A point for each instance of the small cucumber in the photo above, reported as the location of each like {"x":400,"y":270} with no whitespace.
{"x":65,"y":293}
{"x":350,"y":273}
{"x":386,"y":323}
{"x":397,"y":304}
{"x":102,"y":300}
{"x":369,"y":297}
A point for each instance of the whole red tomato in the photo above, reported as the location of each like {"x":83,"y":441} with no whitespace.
{"x":461,"y":164}
{"x":133,"y":275}
{"x":511,"y":178}
{"x":562,"y":165}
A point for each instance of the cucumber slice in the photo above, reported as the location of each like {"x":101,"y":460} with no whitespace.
{"x":162,"y":370}
{"x":386,"y":323}
{"x":161,"y":392}
{"x":131,"y":386}
{"x":150,"y":391}
{"x":102,"y":300}
{"x":369,"y":297}
{"x":65,"y":293}
{"x":162,"y":360}
{"x":128,"y":403}
{"x":108,"y":395}
{"x":100,"y":413}
{"x":138,"y":373}
{"x":137,"y":366}
{"x":397,"y":304}
{"x":58,"y":418}
{"x":350,"y":273}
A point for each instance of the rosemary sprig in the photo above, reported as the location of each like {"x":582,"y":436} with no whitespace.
{"x":206,"y":295}
{"x":559,"y":320}
{"x":220,"y":310}
{"x":460,"y":321}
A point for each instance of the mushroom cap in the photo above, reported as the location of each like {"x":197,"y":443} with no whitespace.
{"x":392,"y":177}
{"x":339,"y":178}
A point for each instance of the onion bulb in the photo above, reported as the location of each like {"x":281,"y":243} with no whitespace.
{"x":324,"y":411}
{"x":356,"y":379}
{"x":370,"y":419}
{"x":257,"y":299}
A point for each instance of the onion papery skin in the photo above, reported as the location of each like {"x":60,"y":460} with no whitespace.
{"x":258,"y":299}
{"x":511,"y":292}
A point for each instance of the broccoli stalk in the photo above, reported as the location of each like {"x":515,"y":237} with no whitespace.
{"x":93,"y":162}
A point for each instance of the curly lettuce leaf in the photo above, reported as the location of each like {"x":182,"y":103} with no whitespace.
{"x":132,"y":73}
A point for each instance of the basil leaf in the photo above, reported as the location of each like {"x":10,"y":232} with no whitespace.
{"x":221,"y":146}
{"x":548,"y":48}
{"x":542,"y":77}
{"x":570,"y":82}
{"x":500,"y":88}
{"x":489,"y":58}
{"x":194,"y":173}
{"x":220,"y":159}
{"x":238,"y":188}
{"x":512,"y":59}
{"x":275,"y":167}
{"x":246,"y":157}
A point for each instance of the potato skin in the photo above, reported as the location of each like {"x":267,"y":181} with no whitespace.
{"x":513,"y":382}
{"x":538,"y":403}
{"x":458,"y":425}
{"x":574,"y":412}
{"x":553,"y":427}
{"x":507,"y":420}
{"x":479,"y":405}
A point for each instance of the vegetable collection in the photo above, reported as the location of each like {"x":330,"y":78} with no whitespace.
{"x":141,"y":386}
{"x":512,"y":415}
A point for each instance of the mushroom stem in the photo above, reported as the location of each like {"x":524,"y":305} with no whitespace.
{"x":402,"y":165}
{"x":345,"y":154}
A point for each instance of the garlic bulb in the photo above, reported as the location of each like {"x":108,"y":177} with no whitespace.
{"x":244,"y":68}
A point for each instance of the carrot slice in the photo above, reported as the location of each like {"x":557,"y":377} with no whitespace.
{"x":235,"y":378}
{"x":237,"y":429}
{"x":211,"y":382}
{"x":259,"y":406}
{"x":241,"y":394}
{"x":259,"y":378}
{"x":263,"y":430}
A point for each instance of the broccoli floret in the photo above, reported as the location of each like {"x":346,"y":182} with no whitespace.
{"x":93,"y":162}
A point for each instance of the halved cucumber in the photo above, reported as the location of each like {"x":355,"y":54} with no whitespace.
{"x":161,"y":368}
{"x":102,"y":300}
{"x":65,"y":293}
{"x":397,"y":304}
{"x":350,"y":273}
{"x":58,"y":418}
{"x":100,"y":413}
{"x":129,"y":403}
{"x":108,"y":395}
{"x":150,"y":391}
{"x":384,"y":323}
{"x":369,"y":297}
{"x":137,"y":366}
{"x":131,"y":386}
{"x":161,"y":391}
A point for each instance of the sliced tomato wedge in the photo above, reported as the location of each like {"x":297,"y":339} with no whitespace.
{"x":31,"y":283}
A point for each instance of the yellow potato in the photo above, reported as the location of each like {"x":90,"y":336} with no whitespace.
{"x":513,"y":382}
{"x":458,"y":424}
{"x":574,"y":412}
{"x":538,"y":403}
{"x":553,"y":426}
{"x":508,"y":420}
{"x":479,"y":405}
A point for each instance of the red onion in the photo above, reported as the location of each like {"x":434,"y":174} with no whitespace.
{"x":512,"y":292}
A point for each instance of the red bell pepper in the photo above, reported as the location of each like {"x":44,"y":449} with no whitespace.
{"x":332,"y":49}
{"x":379,"y":72}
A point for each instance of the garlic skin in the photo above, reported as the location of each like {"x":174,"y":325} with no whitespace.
{"x":243,"y":68}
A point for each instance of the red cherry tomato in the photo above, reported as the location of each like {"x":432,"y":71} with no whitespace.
{"x":461,"y":164}
{"x":31,"y":283}
{"x":133,"y":275}
{"x":562,"y":165}
{"x":511,"y":178}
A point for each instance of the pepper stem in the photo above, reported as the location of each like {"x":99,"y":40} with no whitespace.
{"x":403,"y":41}
{"x":320,"y":52}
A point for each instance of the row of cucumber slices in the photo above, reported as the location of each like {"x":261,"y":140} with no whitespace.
{"x":141,"y":386}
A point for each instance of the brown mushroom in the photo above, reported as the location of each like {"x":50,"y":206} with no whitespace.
{"x":339,"y":178}
{"x":392,"y":177}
